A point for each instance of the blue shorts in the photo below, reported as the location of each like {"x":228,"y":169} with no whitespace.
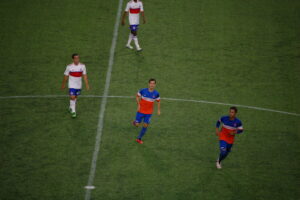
{"x":74,"y":92}
{"x":140,"y":117}
{"x":134,"y":27}
{"x":225,"y":146}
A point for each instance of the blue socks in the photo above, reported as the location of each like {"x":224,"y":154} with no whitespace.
{"x":142,"y":133}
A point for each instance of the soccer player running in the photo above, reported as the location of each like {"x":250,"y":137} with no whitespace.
{"x":134,"y":8}
{"x":74,"y":73}
{"x":230,"y":127}
{"x":145,"y":99}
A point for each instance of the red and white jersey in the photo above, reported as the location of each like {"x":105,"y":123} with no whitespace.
{"x":134,"y":9}
{"x":75,"y":73}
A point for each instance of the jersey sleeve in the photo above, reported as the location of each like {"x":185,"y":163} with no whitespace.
{"x":240,"y":128}
{"x":141,"y":7}
{"x":139,"y":93}
{"x":84,"y":70}
{"x":221,"y":120}
{"x":67,"y":71}
{"x":127,"y":7}
{"x":157,"y":97}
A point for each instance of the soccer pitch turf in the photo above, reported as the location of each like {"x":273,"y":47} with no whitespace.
{"x":238,"y":52}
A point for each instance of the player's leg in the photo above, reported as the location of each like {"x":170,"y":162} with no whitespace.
{"x":135,"y":39}
{"x":138,"y":119}
{"x":143,"y":131}
{"x":130,"y":38}
{"x":223,"y":150}
{"x":147,"y":118}
{"x":73,"y":99}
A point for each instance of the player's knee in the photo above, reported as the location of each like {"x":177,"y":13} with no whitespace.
{"x":72,"y":97}
{"x":134,"y":33}
{"x":223,"y":150}
{"x":145,"y":125}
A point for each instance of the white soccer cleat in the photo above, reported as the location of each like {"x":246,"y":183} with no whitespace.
{"x":139,"y":49}
{"x":218,"y":165}
{"x":129,"y":46}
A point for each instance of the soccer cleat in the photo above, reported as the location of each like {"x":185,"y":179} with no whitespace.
{"x":218,"y":165}
{"x":73,"y":114}
{"x":139,"y":49}
{"x":139,"y":141}
{"x":129,"y":46}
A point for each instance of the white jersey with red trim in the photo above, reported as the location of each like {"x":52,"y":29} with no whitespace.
{"x":134,"y":9}
{"x":75,"y":73}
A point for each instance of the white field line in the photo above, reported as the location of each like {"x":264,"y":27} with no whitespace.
{"x":103,"y":105}
{"x":168,"y":99}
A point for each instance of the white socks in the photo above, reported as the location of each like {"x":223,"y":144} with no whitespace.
{"x":73,"y":105}
{"x":136,"y":42}
{"x":129,"y":39}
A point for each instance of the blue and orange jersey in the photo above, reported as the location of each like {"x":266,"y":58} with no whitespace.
{"x":229,"y":126}
{"x":147,"y":100}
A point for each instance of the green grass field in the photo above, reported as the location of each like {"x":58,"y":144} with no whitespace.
{"x":238,"y":52}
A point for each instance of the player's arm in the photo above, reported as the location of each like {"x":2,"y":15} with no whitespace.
{"x":218,"y":124}
{"x":66,"y":76}
{"x":143,"y":15}
{"x":138,"y":99}
{"x":125,"y":14}
{"x":240,"y":128}
{"x":123,"y":17}
{"x":86,"y":81}
{"x":158,"y":107}
{"x":142,"y":12}
{"x":65,"y":79}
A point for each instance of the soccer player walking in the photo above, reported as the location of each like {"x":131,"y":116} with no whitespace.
{"x":74,"y":73}
{"x":134,"y":8}
{"x":145,"y":99}
{"x":230,"y":127}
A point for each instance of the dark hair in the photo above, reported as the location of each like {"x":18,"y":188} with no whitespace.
{"x":152,"y":79}
{"x":74,"y":54}
{"x":234,"y":108}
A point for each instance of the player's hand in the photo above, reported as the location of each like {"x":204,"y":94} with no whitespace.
{"x":217,"y":132}
{"x":233,"y":132}
{"x":138,"y":108}
{"x":144,"y":21}
{"x":87,"y":87}
{"x":63,"y":87}
{"x":158,"y":112}
{"x":123,"y":23}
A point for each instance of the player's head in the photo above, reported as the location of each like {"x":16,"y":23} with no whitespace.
{"x":233,"y":111}
{"x":75,"y":57}
{"x":152,"y":83}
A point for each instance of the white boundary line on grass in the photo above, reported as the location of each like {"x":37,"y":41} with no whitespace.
{"x":103,"y":105}
{"x":170,"y":99}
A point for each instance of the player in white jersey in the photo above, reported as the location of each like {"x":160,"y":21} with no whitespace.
{"x":74,"y":73}
{"x":134,"y":8}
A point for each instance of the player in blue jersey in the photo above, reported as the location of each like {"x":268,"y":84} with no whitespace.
{"x":231,"y":126}
{"x":145,"y":99}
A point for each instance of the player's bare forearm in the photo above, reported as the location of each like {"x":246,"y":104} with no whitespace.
{"x":138,"y":99}
{"x":63,"y":85}
{"x":87,"y":86}
{"x":233,"y":132}
{"x":217,"y":131}
{"x":144,"y":18}
{"x":158,"y":108}
{"x":123,"y":18}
